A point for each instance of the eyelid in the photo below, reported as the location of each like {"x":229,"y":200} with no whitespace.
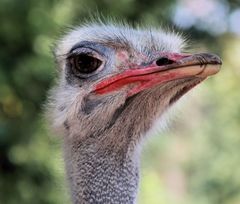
{"x":86,"y":50}
{"x":82,"y":50}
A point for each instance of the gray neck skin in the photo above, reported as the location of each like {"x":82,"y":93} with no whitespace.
{"x":101,"y":176}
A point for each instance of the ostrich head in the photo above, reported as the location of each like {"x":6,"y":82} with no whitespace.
{"x":113,"y":83}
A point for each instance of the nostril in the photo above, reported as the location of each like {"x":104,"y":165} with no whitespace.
{"x":164,"y":61}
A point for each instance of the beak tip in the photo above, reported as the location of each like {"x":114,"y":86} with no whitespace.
{"x":216,"y":59}
{"x":210,"y":58}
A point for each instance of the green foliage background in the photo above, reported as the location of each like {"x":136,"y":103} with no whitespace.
{"x":196,"y":162}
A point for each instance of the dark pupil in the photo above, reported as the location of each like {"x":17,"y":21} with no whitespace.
{"x":86,"y":64}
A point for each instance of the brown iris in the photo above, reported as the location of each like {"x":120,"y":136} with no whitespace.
{"x":85,"y":64}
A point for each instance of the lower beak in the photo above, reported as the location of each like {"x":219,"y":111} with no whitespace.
{"x":169,"y":67}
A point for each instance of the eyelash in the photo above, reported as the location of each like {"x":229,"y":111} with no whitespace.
{"x":77,"y":52}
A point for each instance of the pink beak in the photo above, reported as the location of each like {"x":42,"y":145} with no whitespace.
{"x":170,"y":66}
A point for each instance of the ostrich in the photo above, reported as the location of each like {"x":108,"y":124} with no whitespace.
{"x":113,"y":83}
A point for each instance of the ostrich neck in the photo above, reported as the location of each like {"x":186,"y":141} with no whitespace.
{"x":101,"y":176}
{"x":104,"y":166}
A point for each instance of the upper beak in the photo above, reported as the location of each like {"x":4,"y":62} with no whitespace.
{"x":170,"y":66}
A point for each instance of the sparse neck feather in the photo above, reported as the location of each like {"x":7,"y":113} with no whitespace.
{"x":101,"y":175}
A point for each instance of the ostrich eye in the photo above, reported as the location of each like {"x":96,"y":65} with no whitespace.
{"x":85,"y":64}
